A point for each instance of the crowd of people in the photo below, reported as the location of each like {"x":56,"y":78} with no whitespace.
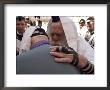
{"x":87,"y":30}
{"x":66,"y":44}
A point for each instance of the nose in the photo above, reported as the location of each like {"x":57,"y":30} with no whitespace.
{"x":20,"y":26}
{"x":55,"y":38}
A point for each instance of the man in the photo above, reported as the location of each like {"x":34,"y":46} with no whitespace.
{"x":83,"y":28}
{"x":62,"y":32}
{"x":38,"y":60}
{"x":89,"y":37}
{"x":82,"y":23}
{"x":20,"y":29}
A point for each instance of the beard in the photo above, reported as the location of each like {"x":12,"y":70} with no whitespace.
{"x":59,"y":43}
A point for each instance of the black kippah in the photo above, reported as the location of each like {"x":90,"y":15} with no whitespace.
{"x":39,"y":31}
{"x":55,"y":18}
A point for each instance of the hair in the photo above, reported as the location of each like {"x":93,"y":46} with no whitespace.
{"x":20,"y":18}
{"x":82,"y":21}
{"x":55,"y":18}
{"x":38,"y":17}
{"x":91,"y":18}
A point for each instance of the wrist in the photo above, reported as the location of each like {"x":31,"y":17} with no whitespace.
{"x":75,"y":60}
{"x":82,"y":62}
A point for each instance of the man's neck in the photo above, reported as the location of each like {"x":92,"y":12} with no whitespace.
{"x":20,"y":33}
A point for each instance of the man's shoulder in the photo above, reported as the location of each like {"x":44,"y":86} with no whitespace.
{"x":39,"y":61}
{"x":42,"y":49}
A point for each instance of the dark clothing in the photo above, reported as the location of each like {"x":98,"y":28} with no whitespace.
{"x":19,"y":37}
{"x":89,"y":37}
{"x":39,"y":61}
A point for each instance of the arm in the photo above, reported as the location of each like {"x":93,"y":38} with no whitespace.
{"x":75,"y":59}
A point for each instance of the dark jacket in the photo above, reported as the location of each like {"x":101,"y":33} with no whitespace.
{"x":39,"y":61}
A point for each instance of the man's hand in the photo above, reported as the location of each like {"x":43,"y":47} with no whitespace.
{"x":67,"y":58}
{"x":60,"y":56}
{"x":83,"y":64}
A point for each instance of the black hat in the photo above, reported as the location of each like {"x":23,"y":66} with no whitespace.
{"x":55,"y":18}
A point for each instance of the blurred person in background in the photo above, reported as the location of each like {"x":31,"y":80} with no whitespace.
{"x":20,"y":29}
{"x":81,"y":23}
{"x":27,"y":21}
{"x":89,"y":37}
{"x":39,"y":21}
{"x":83,"y":28}
{"x":26,"y":40}
{"x":25,"y":44}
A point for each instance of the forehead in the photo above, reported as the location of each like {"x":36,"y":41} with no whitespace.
{"x":89,"y":21}
{"x":22,"y":21}
{"x":57,"y":26}
{"x":56,"y":23}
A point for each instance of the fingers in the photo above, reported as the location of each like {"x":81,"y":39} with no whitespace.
{"x":62,"y":57}
{"x":53,"y":48}
{"x":57,"y":54}
{"x":64,"y":60}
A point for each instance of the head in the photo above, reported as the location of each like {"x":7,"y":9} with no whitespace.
{"x":38,"y":35}
{"x":40,"y":23}
{"x":20,"y":24}
{"x":57,"y":36}
{"x":27,"y":19}
{"x":90,"y":24}
{"x":82,"y":23}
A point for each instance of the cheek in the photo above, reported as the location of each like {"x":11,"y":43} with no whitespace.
{"x":24,"y":26}
{"x":55,"y":30}
{"x":88,"y":26}
{"x":92,"y":25}
{"x":17,"y":25}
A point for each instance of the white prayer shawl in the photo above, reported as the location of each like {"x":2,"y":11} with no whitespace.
{"x":26,"y":40}
{"x":74,"y":41}
{"x":82,"y":32}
